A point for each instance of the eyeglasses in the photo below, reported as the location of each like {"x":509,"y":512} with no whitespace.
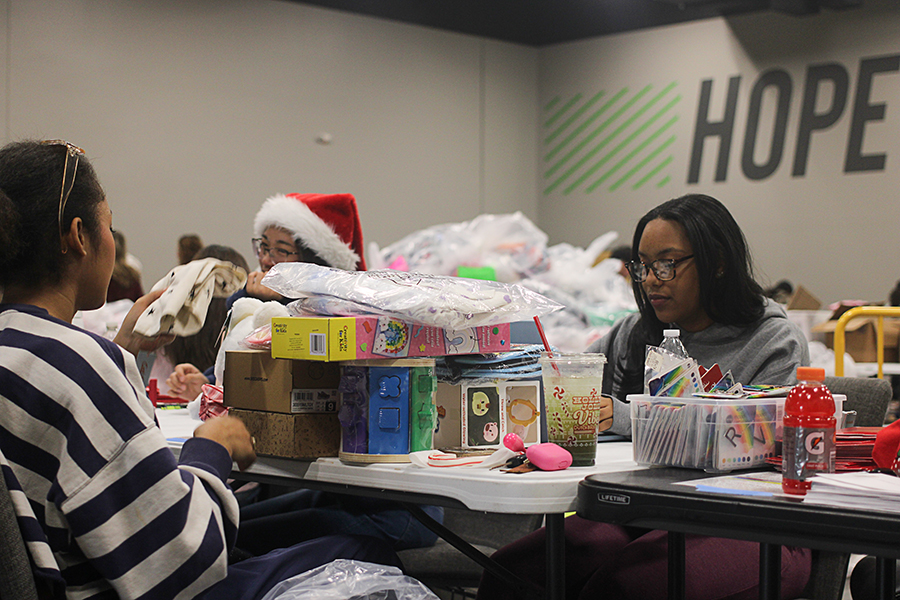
{"x":277,"y":255}
{"x":72,"y":151}
{"x":663,"y":269}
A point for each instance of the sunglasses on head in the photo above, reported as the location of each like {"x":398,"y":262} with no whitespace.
{"x":72,"y":151}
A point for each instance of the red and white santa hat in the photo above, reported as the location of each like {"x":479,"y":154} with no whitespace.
{"x":327,"y":224}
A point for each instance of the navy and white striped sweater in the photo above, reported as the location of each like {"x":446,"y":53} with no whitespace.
{"x":105,"y":509}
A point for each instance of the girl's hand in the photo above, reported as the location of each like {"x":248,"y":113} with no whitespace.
{"x":186,"y":381}
{"x":257,"y":290}
{"x":133,"y":342}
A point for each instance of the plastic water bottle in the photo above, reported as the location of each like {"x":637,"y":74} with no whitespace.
{"x":672,"y":343}
{"x":809,"y":424}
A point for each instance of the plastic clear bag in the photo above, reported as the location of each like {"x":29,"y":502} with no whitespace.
{"x":452,"y":303}
{"x":344,"y":579}
{"x":510,"y":243}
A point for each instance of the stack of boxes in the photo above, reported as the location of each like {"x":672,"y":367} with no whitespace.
{"x":362,"y":388}
{"x":289,"y":406}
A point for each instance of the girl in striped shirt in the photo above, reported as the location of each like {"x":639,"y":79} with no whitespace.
{"x":105,"y":509}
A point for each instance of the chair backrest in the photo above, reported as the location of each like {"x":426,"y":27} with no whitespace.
{"x":16,"y":577}
{"x":869,"y":397}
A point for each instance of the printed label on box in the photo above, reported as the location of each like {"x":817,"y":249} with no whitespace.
{"x":314,"y":401}
{"x":481,"y":418}
{"x":318,"y":344}
{"x":522,"y":400}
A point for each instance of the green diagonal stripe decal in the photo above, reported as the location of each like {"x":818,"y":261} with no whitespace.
{"x":656,"y":170}
{"x":581,"y":151}
{"x":577,"y":131}
{"x":641,"y":164}
{"x":632,"y":154}
{"x":562,"y":110}
{"x":625,"y":142}
{"x":574,"y":116}
{"x":589,"y":139}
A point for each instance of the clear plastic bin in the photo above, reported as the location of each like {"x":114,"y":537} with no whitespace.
{"x":703,"y":433}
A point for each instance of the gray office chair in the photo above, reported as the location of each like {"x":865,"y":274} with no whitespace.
{"x":443,"y":567}
{"x":869,"y":397}
{"x":16,"y":578}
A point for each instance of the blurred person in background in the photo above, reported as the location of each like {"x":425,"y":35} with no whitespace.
{"x":188,"y":246}
{"x":126,"y":280}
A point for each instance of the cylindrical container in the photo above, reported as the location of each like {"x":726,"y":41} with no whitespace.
{"x":809,"y":425}
{"x":672,"y":343}
{"x":572,"y":384}
{"x":387,"y":409}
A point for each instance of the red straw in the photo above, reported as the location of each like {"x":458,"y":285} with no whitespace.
{"x":540,"y":329}
{"x":537,"y":321}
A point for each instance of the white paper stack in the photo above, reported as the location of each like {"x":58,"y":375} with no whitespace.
{"x":871,"y":491}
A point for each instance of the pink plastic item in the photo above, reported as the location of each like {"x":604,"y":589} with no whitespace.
{"x":399,"y":264}
{"x":514,"y":442}
{"x":549,"y":457}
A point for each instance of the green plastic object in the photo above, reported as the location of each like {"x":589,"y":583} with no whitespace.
{"x":486,"y":273}
{"x":422,"y":414}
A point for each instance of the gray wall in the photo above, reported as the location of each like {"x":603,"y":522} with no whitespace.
{"x":194,"y":112}
{"x":833,"y":231}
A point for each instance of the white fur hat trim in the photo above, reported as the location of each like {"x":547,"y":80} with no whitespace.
{"x":306,"y":228}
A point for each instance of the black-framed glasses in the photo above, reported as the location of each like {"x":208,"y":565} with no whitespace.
{"x":72,"y":151}
{"x":261,"y":248}
{"x":663,"y":269}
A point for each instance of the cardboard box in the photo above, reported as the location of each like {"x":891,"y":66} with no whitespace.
{"x":802,"y":299}
{"x":360,"y":338}
{"x":306,"y":436}
{"x":253,"y":380}
{"x":860,"y":338}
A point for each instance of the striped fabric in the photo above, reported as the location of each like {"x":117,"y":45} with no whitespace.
{"x":104,"y":507}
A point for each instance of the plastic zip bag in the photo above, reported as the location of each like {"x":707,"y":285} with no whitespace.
{"x":344,"y":579}
{"x":452,"y":303}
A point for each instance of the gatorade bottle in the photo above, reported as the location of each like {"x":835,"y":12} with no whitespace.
{"x":808,"y":446}
{"x":672,"y":343}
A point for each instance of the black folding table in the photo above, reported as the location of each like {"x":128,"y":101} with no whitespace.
{"x":652,"y":499}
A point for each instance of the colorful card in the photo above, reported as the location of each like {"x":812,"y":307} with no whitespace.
{"x":711,"y":377}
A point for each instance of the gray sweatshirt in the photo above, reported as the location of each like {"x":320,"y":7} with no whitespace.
{"x":766,"y":352}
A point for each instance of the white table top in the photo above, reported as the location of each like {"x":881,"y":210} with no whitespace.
{"x":538,"y":492}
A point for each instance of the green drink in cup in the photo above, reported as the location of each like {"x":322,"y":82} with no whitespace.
{"x":572,"y":384}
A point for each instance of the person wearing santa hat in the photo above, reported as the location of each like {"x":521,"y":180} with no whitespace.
{"x":322,"y":229}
